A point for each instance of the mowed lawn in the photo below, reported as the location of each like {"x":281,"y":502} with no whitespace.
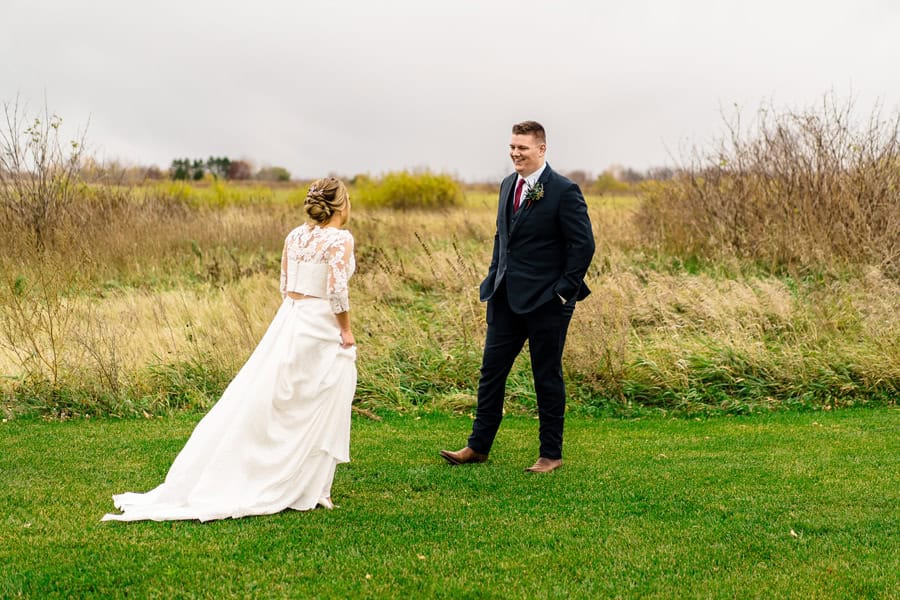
{"x":795,"y":505}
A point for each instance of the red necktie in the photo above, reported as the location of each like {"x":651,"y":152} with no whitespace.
{"x":518,"y":195}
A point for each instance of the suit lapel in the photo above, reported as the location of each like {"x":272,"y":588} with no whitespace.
{"x":505,"y":208}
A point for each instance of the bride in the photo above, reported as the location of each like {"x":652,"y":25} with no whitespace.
{"x":275,"y":437}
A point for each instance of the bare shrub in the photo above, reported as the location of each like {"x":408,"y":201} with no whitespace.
{"x":240,"y":170}
{"x":579,"y":176}
{"x":797,"y":190}
{"x":39,"y":173}
{"x":115,"y":172}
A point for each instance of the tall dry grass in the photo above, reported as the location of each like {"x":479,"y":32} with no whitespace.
{"x":140,"y":237}
{"x":152,"y":305}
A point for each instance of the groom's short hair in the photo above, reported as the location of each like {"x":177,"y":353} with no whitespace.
{"x":531,"y":128}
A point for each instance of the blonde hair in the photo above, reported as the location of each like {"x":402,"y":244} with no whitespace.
{"x":325,"y":197}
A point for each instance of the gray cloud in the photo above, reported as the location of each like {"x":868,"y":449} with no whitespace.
{"x":354,"y":86}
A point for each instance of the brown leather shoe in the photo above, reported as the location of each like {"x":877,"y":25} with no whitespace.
{"x":544,"y":465}
{"x":464,"y":456}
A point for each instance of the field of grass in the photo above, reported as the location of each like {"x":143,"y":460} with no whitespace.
{"x":155,"y":306}
{"x":732,"y":426}
{"x":789,"y":505}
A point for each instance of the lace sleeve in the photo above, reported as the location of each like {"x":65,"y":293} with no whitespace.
{"x":341,"y":265}
{"x":283,"y":285}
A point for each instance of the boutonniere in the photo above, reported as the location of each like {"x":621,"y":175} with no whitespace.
{"x":534,"y":193}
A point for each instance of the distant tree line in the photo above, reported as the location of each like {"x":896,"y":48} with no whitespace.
{"x":222,"y":167}
{"x":615,"y":179}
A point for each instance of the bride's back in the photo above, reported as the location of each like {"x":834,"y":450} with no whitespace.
{"x":318,"y":261}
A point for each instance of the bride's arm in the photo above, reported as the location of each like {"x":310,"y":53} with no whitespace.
{"x":341,"y":265}
{"x":347,"y":338}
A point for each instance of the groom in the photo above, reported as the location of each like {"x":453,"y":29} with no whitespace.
{"x":542,"y":248}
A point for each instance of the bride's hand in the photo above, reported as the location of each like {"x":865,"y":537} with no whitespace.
{"x":347,"y":339}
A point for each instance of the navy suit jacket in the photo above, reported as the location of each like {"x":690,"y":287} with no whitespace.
{"x":544,"y":250}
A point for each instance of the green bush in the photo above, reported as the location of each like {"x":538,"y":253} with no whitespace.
{"x":607,"y":184}
{"x":407,"y":190}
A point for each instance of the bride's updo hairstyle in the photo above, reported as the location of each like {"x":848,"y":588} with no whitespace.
{"x":324,"y":198}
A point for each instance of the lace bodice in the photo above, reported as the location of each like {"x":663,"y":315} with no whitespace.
{"x":318,"y":261}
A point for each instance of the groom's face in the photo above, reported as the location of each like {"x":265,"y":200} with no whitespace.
{"x":527,"y":153}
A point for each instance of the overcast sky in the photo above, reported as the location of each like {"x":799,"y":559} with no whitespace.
{"x":366,"y":86}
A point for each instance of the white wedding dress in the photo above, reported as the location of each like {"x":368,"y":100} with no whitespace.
{"x":275,"y":437}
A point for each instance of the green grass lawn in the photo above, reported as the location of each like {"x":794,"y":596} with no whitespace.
{"x":801,"y":505}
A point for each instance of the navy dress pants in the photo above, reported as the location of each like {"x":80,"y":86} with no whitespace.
{"x":545,"y":330}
